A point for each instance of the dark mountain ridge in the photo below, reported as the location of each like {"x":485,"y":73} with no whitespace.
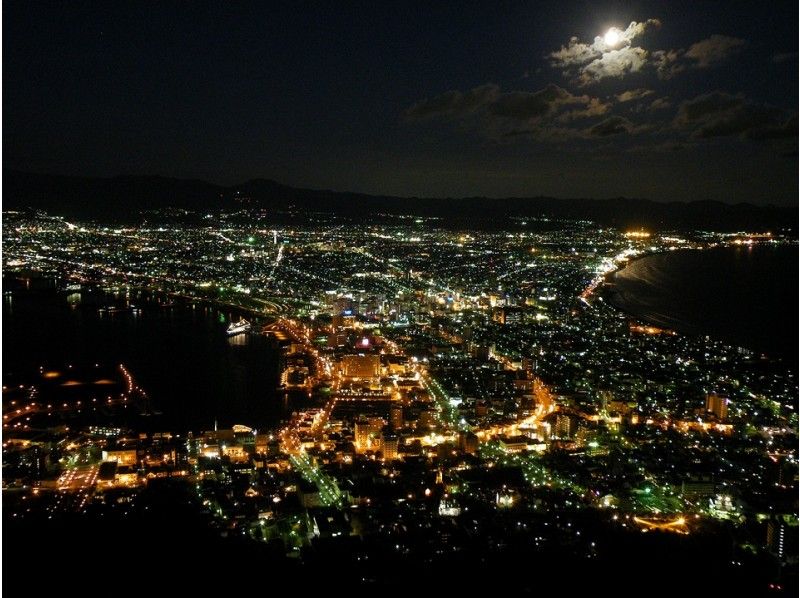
{"x":123,"y":198}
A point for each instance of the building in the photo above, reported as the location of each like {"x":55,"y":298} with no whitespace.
{"x":718,"y":405}
{"x":337,"y":339}
{"x":698,"y":486}
{"x":565,"y":426}
{"x":235,"y":453}
{"x":389,"y":446}
{"x":361,"y":366}
{"x":513,"y":444}
{"x":396,"y":417}
{"x":367,"y":433}
{"x":468,"y":442}
{"x":343,"y":305}
{"x":507,"y":315}
{"x":776,"y":538}
{"x":121,"y":456}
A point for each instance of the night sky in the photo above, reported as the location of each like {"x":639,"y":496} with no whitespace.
{"x":685,"y":100}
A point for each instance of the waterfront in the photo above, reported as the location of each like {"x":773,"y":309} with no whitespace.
{"x":178,"y":351}
{"x":736,"y":294}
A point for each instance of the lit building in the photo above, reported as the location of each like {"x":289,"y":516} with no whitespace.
{"x":235,"y":453}
{"x":565,"y":426}
{"x":513,"y":444}
{"x":121,"y":456}
{"x":776,"y":538}
{"x":718,"y":405}
{"x":361,"y":366}
{"x":396,"y":417}
{"x":367,"y":430}
{"x":507,"y":315}
{"x":389,"y":446}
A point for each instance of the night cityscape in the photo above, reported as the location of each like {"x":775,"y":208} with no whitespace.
{"x":271,"y":386}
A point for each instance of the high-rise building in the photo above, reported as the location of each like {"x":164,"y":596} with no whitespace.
{"x":718,"y":405}
{"x":565,"y":426}
{"x":389,"y":446}
{"x":776,"y":537}
{"x":396,"y":417}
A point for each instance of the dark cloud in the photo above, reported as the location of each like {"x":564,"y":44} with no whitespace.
{"x":454,"y":104}
{"x":545,"y":115}
{"x":667,"y":63}
{"x":595,"y":107}
{"x":786,"y":130}
{"x":613,"y":125}
{"x":714,"y":49}
{"x":707,"y":104}
{"x":665,"y":147}
{"x":784,"y":57}
{"x":742,"y":120}
{"x":521,"y":105}
{"x":500,"y":115}
{"x":719,"y":114}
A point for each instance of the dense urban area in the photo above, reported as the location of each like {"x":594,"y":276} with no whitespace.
{"x":467,"y":393}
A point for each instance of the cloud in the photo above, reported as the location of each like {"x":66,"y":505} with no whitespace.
{"x":667,"y":63}
{"x":522,"y":105}
{"x":587,"y":63}
{"x":613,"y":125}
{"x":783,"y":131}
{"x":574,"y":53}
{"x":663,"y":147}
{"x":707,"y":105}
{"x":633,"y":94}
{"x":636,"y":29}
{"x":784,"y":57}
{"x":719,"y":114}
{"x":598,"y":60}
{"x":743,"y":120}
{"x":659,"y":104}
{"x":454,"y":104}
{"x":714,"y":49}
{"x":488,"y":103}
{"x":616,"y":63}
{"x":543,"y":114}
{"x":595,"y":107}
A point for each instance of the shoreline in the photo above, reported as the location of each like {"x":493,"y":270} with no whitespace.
{"x":607,"y":290}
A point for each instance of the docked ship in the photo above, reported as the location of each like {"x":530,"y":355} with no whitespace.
{"x":238,"y":327}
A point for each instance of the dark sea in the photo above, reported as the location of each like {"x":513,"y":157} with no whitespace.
{"x":746,"y":296}
{"x":179,"y":353}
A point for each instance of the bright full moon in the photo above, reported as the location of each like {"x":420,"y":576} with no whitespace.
{"x":611,"y":37}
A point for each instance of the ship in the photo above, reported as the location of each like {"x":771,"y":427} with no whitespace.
{"x":238,"y":327}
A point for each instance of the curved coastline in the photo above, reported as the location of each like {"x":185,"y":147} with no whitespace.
{"x":727,"y":296}
{"x":610,"y":293}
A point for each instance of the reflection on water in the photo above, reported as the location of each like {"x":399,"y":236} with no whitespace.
{"x":238,"y":340}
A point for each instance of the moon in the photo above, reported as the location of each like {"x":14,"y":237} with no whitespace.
{"x":612,"y":37}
